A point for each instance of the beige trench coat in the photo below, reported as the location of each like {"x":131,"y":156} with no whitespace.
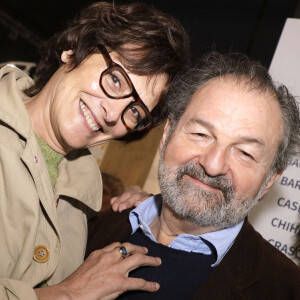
{"x":31,"y":214}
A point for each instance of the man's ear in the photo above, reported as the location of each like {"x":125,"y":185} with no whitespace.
{"x":65,"y":56}
{"x":272,"y":180}
{"x":165,"y":134}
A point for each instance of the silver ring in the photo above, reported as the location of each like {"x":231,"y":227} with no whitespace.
{"x":123,"y":251}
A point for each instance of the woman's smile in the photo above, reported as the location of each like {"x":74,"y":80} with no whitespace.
{"x":90,"y":118}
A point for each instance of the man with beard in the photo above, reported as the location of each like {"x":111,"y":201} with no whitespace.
{"x":230,"y":134}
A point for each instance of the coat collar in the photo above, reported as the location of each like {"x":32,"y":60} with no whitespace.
{"x":13,"y":110}
{"x":239,"y":269}
{"x":79,"y":176}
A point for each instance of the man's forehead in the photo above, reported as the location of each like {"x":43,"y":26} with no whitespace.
{"x":227,"y":91}
{"x":229,"y":105}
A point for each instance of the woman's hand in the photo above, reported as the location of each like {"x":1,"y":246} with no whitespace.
{"x":132,"y":196}
{"x":104,"y":275}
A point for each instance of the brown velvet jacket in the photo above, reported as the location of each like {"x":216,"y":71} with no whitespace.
{"x":252,"y":268}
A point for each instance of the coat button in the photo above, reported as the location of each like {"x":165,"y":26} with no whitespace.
{"x":41,"y":254}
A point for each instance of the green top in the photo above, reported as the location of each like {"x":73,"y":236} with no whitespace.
{"x":52,"y":159}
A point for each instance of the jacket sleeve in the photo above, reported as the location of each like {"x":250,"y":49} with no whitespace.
{"x":16,"y":290}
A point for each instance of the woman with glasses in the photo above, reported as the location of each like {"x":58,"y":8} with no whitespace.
{"x":104,"y":77}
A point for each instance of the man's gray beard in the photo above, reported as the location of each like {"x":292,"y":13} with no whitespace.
{"x":202,"y":207}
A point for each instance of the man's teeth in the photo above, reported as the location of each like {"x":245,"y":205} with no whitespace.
{"x":88,"y":118}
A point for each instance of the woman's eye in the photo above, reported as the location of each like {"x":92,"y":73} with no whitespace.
{"x":115,"y":80}
{"x":135,"y":114}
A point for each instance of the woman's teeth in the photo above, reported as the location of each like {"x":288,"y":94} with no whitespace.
{"x":94,"y":126}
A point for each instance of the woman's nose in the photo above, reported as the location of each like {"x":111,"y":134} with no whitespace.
{"x":113,"y":109}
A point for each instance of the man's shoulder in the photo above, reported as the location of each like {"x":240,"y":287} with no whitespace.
{"x":276,"y":261}
{"x":267,"y":253}
{"x":260,"y":260}
{"x":253,"y":267}
{"x":108,"y":227}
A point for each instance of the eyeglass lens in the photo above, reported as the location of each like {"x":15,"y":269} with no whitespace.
{"x":135,"y":116}
{"x":116,"y":84}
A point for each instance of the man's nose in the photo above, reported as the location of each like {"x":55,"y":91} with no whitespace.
{"x":215,"y":161}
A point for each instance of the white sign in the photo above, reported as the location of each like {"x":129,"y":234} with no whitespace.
{"x":276,"y":217}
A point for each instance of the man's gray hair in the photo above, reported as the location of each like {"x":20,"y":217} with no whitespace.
{"x":251,"y":75}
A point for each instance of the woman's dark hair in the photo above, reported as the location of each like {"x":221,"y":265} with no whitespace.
{"x":148,"y":42}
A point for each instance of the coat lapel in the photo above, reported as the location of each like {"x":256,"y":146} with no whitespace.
{"x":239,"y":269}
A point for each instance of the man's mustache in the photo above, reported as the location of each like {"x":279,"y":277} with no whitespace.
{"x":221,"y":182}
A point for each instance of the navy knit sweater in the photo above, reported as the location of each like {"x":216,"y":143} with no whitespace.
{"x":180,"y":275}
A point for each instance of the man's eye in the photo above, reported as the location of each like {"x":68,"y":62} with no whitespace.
{"x":200,"y":134}
{"x":246,"y":154}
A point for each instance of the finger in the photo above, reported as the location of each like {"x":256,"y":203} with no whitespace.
{"x":112,"y":200}
{"x":116,"y":201}
{"x":130,"y":202}
{"x":141,"y":284}
{"x":133,"y":200}
{"x":131,"y":190}
{"x":129,"y":197}
{"x":138,"y":260}
{"x":132,"y":249}
{"x":111,"y":247}
{"x":106,"y":249}
{"x":121,"y":198}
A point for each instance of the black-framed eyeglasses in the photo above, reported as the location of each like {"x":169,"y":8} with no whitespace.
{"x":116,"y":84}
